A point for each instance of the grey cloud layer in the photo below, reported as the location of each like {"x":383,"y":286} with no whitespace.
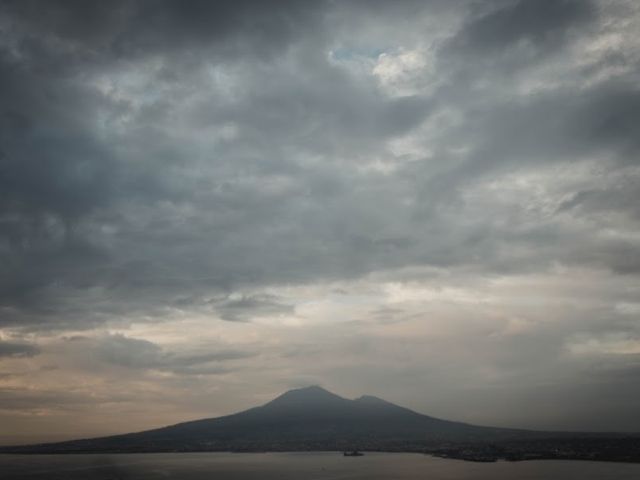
{"x":13,"y":349}
{"x":188,"y":170}
{"x":142,"y":354}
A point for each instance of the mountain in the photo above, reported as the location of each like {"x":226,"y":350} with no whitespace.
{"x":309,"y":418}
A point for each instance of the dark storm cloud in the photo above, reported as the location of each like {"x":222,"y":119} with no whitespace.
{"x":622,"y":198}
{"x":550,"y":127}
{"x":13,"y":349}
{"x":51,"y":161}
{"x":141,"y":354}
{"x":14,"y":399}
{"x":246,"y":307}
{"x":502,"y":24}
{"x":55,"y":171}
{"x":122,"y":29}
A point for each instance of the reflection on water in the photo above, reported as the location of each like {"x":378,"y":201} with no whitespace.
{"x":307,"y":466}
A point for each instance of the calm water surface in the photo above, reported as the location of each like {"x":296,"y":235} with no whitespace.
{"x":298,"y":466}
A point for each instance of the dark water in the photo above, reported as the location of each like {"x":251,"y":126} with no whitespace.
{"x":298,"y":466}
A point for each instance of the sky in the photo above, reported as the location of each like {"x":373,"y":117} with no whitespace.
{"x":206,"y":203}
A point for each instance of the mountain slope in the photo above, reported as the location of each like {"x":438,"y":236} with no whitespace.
{"x":304,"y":419}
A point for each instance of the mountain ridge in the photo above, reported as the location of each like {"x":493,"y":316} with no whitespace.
{"x":309,"y":418}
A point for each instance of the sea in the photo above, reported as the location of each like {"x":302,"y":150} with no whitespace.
{"x":298,"y":466}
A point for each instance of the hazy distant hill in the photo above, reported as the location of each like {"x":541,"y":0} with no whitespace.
{"x":305,"y":419}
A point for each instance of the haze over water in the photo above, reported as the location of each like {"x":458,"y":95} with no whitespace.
{"x":293,"y":466}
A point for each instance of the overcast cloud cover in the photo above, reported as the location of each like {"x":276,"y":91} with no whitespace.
{"x":205,"y":203}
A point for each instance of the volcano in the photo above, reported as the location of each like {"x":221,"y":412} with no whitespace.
{"x":304,"y":419}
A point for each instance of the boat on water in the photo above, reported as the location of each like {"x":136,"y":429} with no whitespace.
{"x":353,"y":453}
